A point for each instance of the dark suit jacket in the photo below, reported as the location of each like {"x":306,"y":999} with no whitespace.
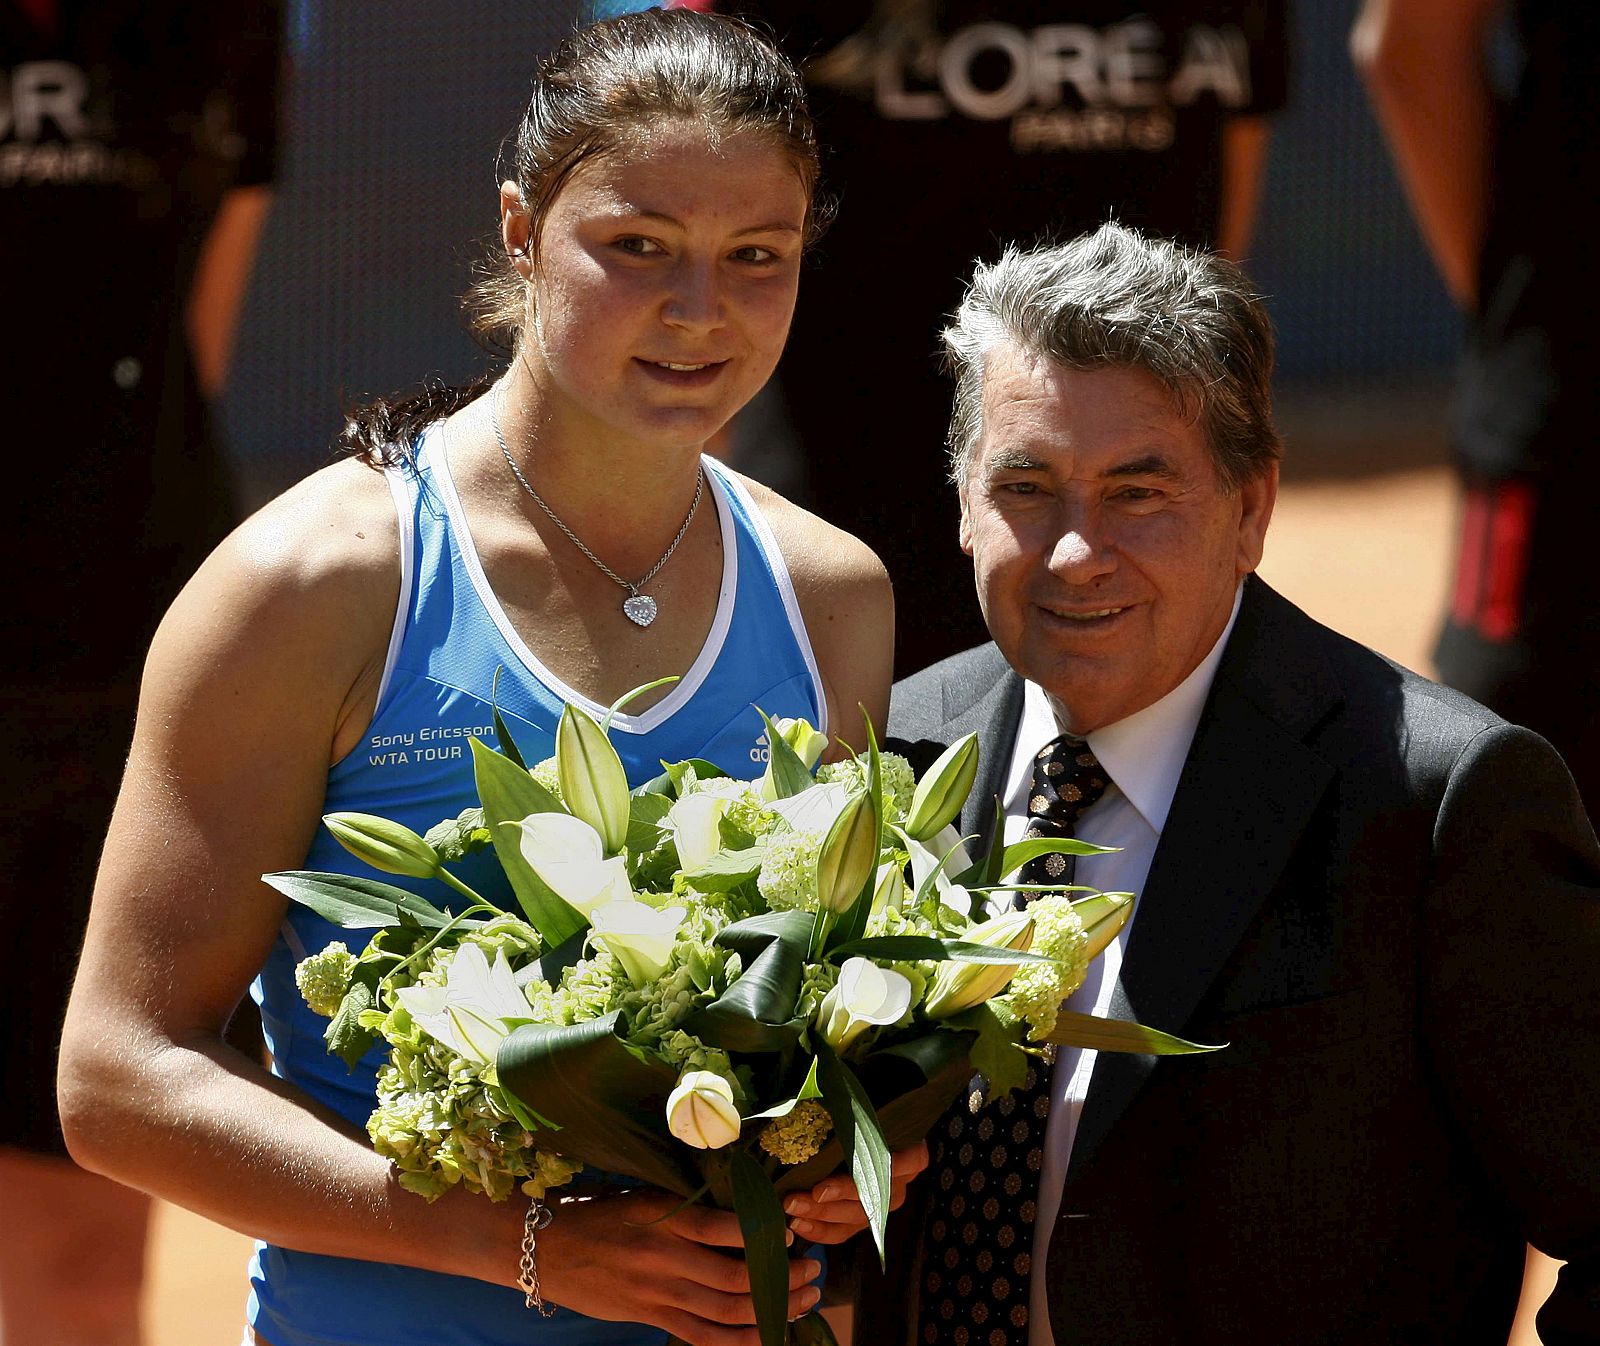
{"x":1387,"y":902}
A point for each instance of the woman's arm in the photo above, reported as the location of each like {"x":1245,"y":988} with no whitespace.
{"x":264,"y":671}
{"x":849,"y":614}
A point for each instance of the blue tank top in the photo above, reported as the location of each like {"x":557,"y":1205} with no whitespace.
{"x":414,"y":765}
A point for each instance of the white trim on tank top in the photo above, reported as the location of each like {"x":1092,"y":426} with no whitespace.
{"x":401,"y":485}
{"x":785,"y":583}
{"x":686,"y":687}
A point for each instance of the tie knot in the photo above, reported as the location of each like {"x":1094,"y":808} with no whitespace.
{"x":1067,"y":779}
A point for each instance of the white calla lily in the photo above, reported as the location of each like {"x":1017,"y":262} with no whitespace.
{"x":474,"y":1010}
{"x":701,"y":1111}
{"x":808,"y":742}
{"x":569,"y":856}
{"x":693,"y":820}
{"x":641,"y":936}
{"x":864,"y":997}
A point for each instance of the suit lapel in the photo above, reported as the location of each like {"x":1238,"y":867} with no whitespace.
{"x":1248,"y":789}
{"x":992,"y":712}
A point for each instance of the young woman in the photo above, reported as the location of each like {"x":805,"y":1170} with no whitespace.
{"x":560,"y":525}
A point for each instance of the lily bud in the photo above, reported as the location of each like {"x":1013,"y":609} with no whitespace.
{"x":849,"y":854}
{"x":1103,"y":917}
{"x":960,"y":986}
{"x":866,"y":996}
{"x":384,"y":845}
{"x":890,"y":888}
{"x":939,"y":795}
{"x":594,"y":786}
{"x":701,"y":1111}
{"x":807,"y":742}
{"x":640,"y":936}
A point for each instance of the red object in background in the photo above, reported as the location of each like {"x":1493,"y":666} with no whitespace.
{"x":1493,"y":566}
{"x":42,"y":12}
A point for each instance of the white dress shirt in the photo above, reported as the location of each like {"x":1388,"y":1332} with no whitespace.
{"x":1143,"y":755}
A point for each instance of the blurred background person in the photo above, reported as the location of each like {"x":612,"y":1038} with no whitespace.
{"x":954,"y":126}
{"x":136,"y":149}
{"x":1503,"y":188}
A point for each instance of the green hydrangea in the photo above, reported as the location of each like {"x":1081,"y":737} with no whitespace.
{"x":788,"y":878}
{"x":899,"y":781}
{"x":799,"y":1135}
{"x":546,"y":774}
{"x":324,"y":977}
{"x":1037,"y":990}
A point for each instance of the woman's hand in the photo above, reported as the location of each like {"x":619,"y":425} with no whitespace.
{"x":832,"y":1211}
{"x":616,"y":1258}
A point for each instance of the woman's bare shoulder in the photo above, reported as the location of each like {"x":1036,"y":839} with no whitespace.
{"x":820,"y":557}
{"x":309,"y":581}
{"x":846,"y":602}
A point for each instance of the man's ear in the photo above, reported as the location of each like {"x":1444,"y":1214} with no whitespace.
{"x":965,"y":530}
{"x":1256,"y":499}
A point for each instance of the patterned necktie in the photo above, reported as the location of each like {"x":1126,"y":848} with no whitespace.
{"x":987,"y":1156}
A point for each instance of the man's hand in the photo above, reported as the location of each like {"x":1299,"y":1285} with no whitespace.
{"x":616,"y":1258}
{"x":832,"y":1211}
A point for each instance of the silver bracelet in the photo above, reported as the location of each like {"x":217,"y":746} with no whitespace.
{"x":539,"y":1215}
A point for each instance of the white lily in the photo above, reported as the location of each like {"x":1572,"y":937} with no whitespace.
{"x":569,"y":856}
{"x":701,"y":1111}
{"x":639,"y":935}
{"x":470,"y":1012}
{"x":814,"y":809}
{"x":946,"y":846}
{"x":865,"y":996}
{"x":693,"y":820}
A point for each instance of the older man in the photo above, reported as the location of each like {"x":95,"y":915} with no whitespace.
{"x":1382,"y":897}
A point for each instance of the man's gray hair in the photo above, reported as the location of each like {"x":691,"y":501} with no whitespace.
{"x":1116,"y":298}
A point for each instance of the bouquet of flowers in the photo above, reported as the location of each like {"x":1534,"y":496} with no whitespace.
{"x":725,"y":988}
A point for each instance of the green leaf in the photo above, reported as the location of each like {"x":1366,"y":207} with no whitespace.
{"x":608,"y":1099}
{"x":1019,"y":853}
{"x":929,"y":1055}
{"x":626,"y":697}
{"x":509,"y":795}
{"x":678,"y":772}
{"x":762,"y":1224}
{"x":995,"y":1054}
{"x":809,"y":1089}
{"x":854,"y":924}
{"x":508,"y":745}
{"x":355,"y":904}
{"x":788,"y":772}
{"x":751,"y":935}
{"x":926,"y":948}
{"x":756,"y":1013}
{"x":645,"y":813}
{"x":1119,"y":1035}
{"x":727,"y":870}
{"x":811,"y":1329}
{"x":345,"y":1036}
{"x":458,"y":837}
{"x":860,"y":1137}
{"x":549,"y":966}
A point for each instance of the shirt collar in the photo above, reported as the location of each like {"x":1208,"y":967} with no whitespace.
{"x":1144,"y":753}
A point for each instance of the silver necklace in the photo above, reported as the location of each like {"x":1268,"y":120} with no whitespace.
{"x":638,"y":608}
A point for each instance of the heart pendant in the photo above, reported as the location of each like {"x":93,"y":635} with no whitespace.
{"x":640,"y":609}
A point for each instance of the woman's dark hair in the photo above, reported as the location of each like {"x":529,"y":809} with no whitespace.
{"x":606,"y":87}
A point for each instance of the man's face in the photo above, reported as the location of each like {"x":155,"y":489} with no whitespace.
{"x":1107,"y":552}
